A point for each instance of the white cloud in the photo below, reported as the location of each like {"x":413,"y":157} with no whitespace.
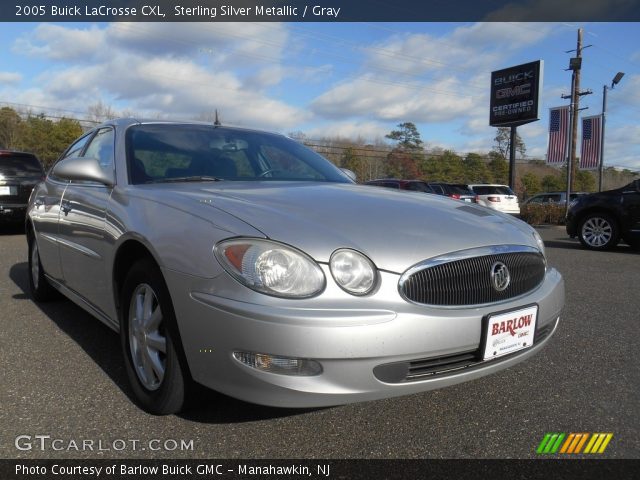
{"x":429,"y":79}
{"x":367,"y":131}
{"x":62,"y":43}
{"x":169,"y":70}
{"x":10,"y":77}
{"x":369,"y":96}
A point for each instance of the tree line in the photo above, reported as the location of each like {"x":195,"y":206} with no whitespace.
{"x":405,"y":156}
{"x":44,"y":137}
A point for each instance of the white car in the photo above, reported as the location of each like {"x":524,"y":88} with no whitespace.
{"x":498,"y":197}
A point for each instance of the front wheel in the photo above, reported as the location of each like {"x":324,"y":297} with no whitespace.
{"x":148,"y":332}
{"x":598,"y":231}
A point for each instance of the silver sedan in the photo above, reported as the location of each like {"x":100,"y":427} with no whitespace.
{"x":248,"y":263}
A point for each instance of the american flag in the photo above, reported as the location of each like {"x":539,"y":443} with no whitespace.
{"x":591,"y":136}
{"x":558,"y":135}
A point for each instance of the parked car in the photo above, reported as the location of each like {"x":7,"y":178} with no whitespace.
{"x":459,"y":191}
{"x":248,"y":263}
{"x":19,"y":173}
{"x":498,"y":197}
{"x":552,"y":197}
{"x":413,"y":185}
{"x":600,"y":220}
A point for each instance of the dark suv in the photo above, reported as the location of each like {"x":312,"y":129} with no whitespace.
{"x":19,"y":173}
{"x":414,"y":185}
{"x":600,"y":220}
{"x":459,"y":191}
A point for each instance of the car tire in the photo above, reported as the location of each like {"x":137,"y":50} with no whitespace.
{"x":148,"y":337}
{"x":41,"y":289}
{"x":598,"y":231}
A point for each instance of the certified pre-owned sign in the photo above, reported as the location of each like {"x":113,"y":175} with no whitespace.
{"x":514,"y":94}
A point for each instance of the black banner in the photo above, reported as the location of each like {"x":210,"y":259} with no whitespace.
{"x":534,"y":469}
{"x":316,"y":11}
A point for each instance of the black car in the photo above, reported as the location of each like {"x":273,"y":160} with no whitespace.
{"x":414,"y":185}
{"x":459,"y":191}
{"x":19,"y":173}
{"x":600,"y":220}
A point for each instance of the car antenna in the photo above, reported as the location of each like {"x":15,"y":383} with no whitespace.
{"x":217,"y":122}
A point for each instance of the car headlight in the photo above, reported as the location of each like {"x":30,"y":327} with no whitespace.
{"x":353,"y":272}
{"x":270,"y":267}
{"x":540,"y":243}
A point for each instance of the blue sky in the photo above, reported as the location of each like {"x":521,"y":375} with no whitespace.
{"x":347,"y":79}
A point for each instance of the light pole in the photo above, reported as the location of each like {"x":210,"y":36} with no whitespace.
{"x":614,"y":82}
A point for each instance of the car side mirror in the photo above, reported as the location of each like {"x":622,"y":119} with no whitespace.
{"x":349,"y":173}
{"x":83,"y":169}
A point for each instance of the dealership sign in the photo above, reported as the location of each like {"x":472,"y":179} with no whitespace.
{"x":514,"y":95}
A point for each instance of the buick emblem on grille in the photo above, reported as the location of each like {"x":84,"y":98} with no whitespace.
{"x":500,"y":276}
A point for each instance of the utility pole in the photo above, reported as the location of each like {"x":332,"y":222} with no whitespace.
{"x":575,"y":64}
{"x":575,"y":104}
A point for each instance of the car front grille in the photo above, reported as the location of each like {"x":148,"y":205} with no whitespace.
{"x":428,"y":368}
{"x":467,"y":281}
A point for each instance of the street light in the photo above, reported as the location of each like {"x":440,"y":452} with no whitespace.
{"x":614,"y":82}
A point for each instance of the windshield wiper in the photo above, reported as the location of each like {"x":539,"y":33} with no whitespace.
{"x":192,"y":178}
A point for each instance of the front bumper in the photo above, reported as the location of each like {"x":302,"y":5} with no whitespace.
{"x":350,"y":340}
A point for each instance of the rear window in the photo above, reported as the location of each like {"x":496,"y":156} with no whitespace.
{"x":20,"y":164}
{"x":459,"y":190}
{"x":492,"y":190}
{"x":419,"y":187}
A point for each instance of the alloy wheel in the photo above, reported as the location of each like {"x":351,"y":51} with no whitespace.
{"x":597,"y":232}
{"x":147,"y":341}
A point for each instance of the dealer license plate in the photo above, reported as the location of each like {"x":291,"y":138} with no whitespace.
{"x":5,"y":190}
{"x":509,"y":332}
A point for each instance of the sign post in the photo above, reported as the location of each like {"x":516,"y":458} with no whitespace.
{"x":515,"y":93}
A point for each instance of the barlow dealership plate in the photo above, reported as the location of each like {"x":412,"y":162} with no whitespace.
{"x":5,"y":190}
{"x":509,"y":332}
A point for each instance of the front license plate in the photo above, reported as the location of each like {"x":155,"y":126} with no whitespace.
{"x":509,"y":332}
{"x":5,"y":190}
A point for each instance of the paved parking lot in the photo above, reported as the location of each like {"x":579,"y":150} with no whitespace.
{"x":62,"y":376}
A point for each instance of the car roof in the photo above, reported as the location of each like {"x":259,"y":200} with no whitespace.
{"x":488,"y":185}
{"x":16,"y":153}
{"x":127,"y":122}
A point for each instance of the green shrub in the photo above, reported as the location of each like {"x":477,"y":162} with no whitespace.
{"x":538,"y":214}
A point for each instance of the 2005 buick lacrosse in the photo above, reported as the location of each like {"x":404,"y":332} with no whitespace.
{"x":248,"y":263}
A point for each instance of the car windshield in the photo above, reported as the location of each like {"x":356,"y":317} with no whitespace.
{"x":19,"y":165}
{"x":179,"y":153}
{"x":492,"y":190}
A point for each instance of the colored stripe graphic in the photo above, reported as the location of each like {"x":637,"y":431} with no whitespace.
{"x":573,"y":443}
{"x":598,"y":442}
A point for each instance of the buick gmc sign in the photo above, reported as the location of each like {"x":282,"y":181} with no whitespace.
{"x":514,"y":95}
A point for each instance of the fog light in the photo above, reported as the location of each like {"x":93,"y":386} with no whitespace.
{"x":280,"y":365}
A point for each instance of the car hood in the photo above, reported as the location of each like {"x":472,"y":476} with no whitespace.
{"x":394,"y":229}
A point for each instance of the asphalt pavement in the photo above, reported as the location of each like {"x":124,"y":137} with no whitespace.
{"x":63,"y":389}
